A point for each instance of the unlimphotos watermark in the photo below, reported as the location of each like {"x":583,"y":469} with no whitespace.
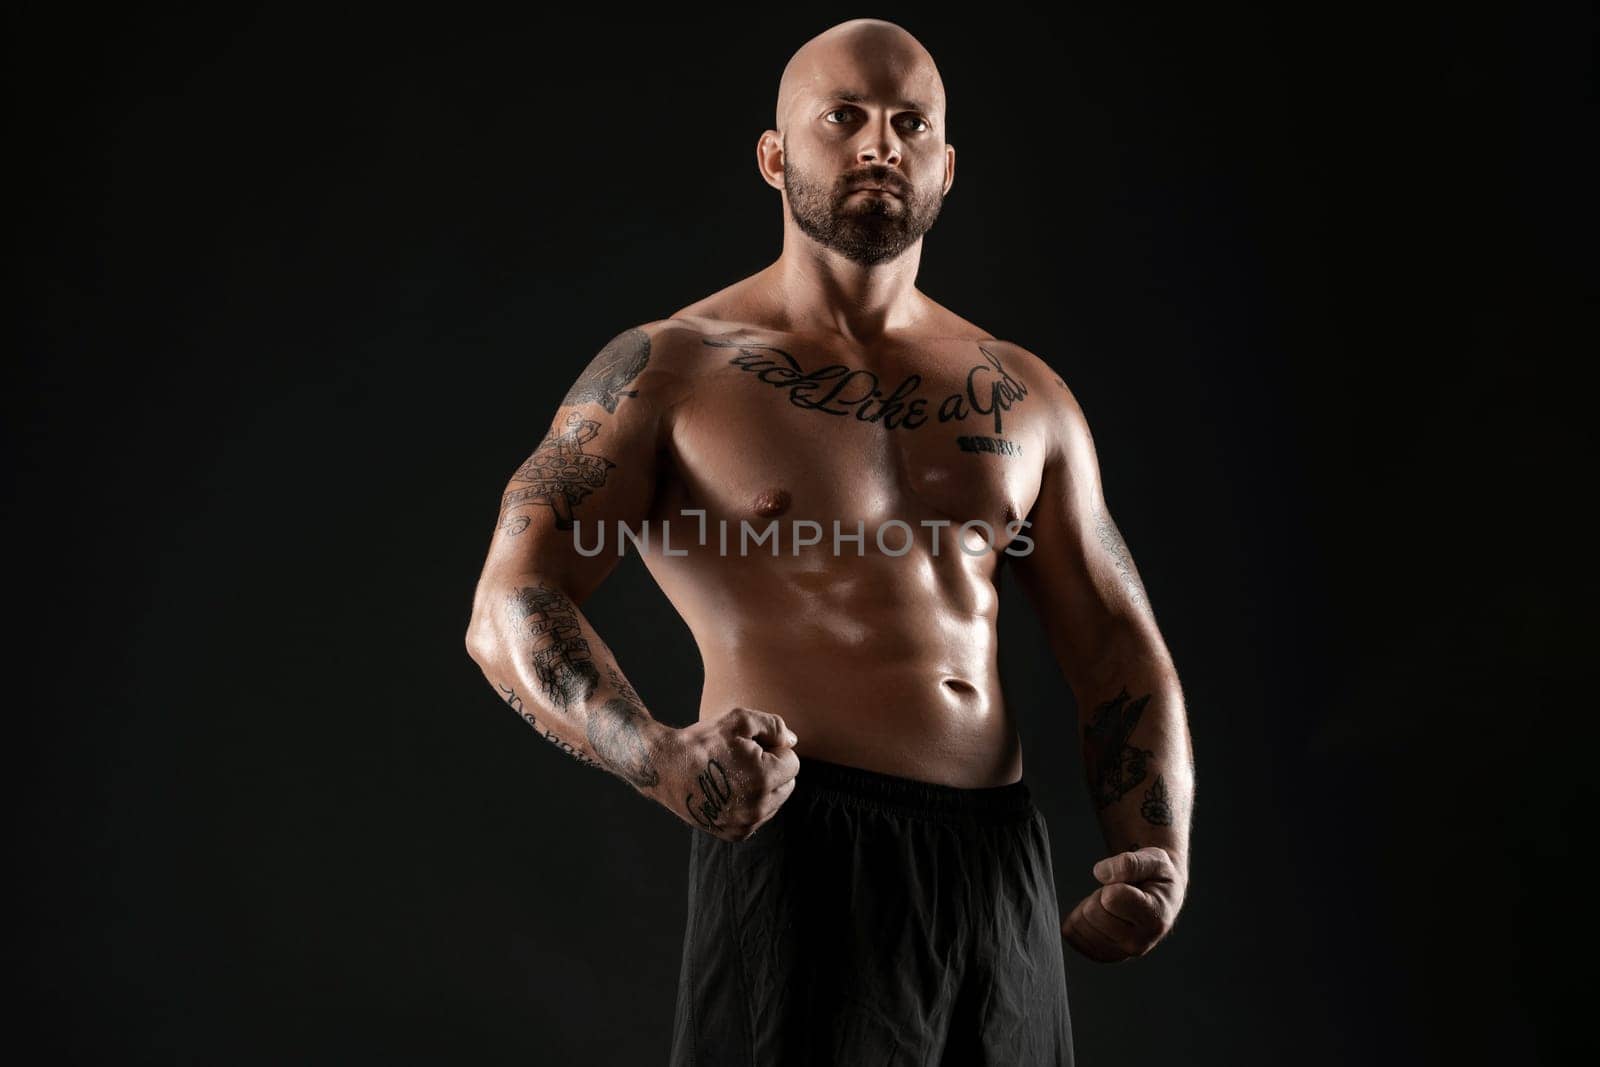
{"x":895,"y":537}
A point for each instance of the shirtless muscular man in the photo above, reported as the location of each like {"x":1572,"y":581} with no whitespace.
{"x":824,"y":470}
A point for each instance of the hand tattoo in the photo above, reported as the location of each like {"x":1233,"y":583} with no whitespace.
{"x":715,"y":793}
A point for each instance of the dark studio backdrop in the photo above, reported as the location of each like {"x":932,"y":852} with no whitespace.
{"x":301,"y":288}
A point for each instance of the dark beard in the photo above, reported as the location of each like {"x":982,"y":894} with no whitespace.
{"x":871,"y":230}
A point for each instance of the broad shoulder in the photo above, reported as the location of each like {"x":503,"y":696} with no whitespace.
{"x":1018,"y":361}
{"x":677,"y":348}
{"x":1065,"y":427}
{"x":650,"y":361}
{"x":1037,"y":374}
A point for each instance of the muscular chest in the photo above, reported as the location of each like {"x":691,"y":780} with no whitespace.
{"x":934,"y":431}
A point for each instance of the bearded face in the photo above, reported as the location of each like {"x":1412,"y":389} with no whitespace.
{"x":866,"y":227}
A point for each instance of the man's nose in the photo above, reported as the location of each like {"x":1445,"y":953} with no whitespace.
{"x":881,"y":146}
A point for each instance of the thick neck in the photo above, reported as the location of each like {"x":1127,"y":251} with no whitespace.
{"x":821,"y":291}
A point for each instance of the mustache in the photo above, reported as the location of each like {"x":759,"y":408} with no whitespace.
{"x":879,"y":176}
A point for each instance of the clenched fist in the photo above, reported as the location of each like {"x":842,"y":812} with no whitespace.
{"x":1133,"y":909}
{"x":729,"y":775}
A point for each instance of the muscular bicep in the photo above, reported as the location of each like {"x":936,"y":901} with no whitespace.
{"x":1080,"y":574}
{"x":595,"y":467}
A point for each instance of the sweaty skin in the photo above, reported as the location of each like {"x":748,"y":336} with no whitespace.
{"x":875,"y":659}
{"x":827,"y":389}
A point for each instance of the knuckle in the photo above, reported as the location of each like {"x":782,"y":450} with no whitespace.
{"x":1140,"y":904}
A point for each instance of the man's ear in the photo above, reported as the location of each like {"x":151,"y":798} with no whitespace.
{"x":769,"y":158}
{"x":949,"y":168}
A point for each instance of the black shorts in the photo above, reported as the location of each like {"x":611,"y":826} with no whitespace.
{"x":876,"y":920}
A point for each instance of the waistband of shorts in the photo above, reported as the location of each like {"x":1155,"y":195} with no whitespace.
{"x":892,"y":792}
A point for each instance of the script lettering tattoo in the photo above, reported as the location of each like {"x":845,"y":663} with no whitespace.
{"x":558,"y":475}
{"x":616,"y":730}
{"x":1115,"y":766}
{"x":998,"y":446}
{"x":1003,"y":391}
{"x":715,"y":792}
{"x":837,"y":389}
{"x":1156,"y":809}
{"x":561,"y":659}
{"x":618,"y":363}
{"x":1111,"y":540}
{"x":511,"y":698}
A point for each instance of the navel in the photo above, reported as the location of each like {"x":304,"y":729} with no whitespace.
{"x":961,"y":686}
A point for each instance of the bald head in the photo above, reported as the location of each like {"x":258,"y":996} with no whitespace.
{"x":868,"y":56}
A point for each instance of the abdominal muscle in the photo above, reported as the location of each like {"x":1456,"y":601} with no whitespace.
{"x":883,"y":663}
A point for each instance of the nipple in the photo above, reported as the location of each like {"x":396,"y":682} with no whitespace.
{"x":772,"y":502}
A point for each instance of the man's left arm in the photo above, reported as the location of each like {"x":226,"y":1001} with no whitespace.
{"x":1138,"y":755}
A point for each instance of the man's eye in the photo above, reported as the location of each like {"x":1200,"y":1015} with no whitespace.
{"x":838,"y":111}
{"x":922,"y":123}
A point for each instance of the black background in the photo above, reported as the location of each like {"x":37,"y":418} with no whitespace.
{"x":301,"y":288}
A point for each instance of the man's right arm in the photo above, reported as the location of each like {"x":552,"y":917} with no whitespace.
{"x":598,"y":465}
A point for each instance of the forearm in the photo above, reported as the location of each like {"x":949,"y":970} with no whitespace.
{"x":1138,"y":756}
{"x":546,"y":661}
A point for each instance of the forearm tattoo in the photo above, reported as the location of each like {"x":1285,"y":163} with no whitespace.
{"x":516,"y":704}
{"x":1111,"y":540}
{"x":620,"y":738}
{"x":1115,"y":765}
{"x":715,"y":793}
{"x":562,"y":662}
{"x":616,"y":730}
{"x":620,"y":684}
{"x":558,"y":475}
{"x":1156,"y":809}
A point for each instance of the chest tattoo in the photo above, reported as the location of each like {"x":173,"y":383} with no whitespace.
{"x":838,"y":389}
